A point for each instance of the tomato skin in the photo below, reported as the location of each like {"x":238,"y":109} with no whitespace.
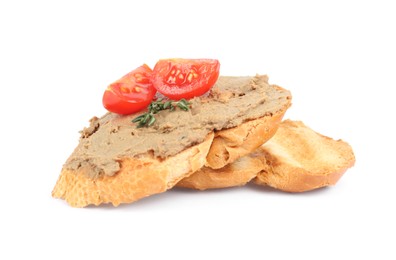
{"x":185,"y":78}
{"x":131,"y":93}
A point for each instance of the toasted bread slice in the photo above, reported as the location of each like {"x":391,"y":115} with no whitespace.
{"x":137,"y":178}
{"x":300,"y":159}
{"x":296,"y":159}
{"x":147,"y":175}
{"x":105,"y":168}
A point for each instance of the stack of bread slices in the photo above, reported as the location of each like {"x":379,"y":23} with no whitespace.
{"x":260,"y":148}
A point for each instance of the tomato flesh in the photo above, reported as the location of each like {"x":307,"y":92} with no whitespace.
{"x":185,"y":78}
{"x":131,"y":93}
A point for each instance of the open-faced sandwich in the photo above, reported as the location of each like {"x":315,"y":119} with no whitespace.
{"x":181,"y":123}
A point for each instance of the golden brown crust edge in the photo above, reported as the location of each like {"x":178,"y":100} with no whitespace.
{"x":300,"y":159}
{"x":237,"y":173}
{"x":230,"y":144}
{"x":137,"y":178}
{"x":297,"y":179}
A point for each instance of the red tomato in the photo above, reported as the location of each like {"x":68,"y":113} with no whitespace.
{"x":185,"y":78}
{"x":131,"y":93}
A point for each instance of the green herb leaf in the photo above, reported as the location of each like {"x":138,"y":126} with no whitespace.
{"x":167,"y":104}
{"x":138,"y":119}
{"x":148,"y":119}
{"x":145,"y":118}
{"x":151,"y":121}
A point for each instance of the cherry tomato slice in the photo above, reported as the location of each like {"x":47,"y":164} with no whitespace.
{"x":185,"y":78}
{"x":131,"y":93}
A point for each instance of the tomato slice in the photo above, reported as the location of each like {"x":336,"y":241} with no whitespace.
{"x":185,"y":78}
{"x":131,"y":93}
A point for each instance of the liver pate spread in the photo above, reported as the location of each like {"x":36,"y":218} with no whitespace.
{"x":232,"y":101}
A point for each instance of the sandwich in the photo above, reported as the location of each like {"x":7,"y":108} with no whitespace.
{"x":170,"y":130}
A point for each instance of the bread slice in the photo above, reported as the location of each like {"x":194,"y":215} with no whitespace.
{"x":138,"y":178}
{"x":296,"y":159}
{"x":146,"y":175}
{"x":300,"y":159}
{"x":100,"y":172}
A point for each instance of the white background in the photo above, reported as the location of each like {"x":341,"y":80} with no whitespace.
{"x":337,"y":58}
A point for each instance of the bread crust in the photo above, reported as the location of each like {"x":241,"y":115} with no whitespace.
{"x":237,"y":173}
{"x":300,"y":159}
{"x":138,"y":177}
{"x":230,"y":144}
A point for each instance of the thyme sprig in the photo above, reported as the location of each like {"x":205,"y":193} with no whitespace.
{"x":148,"y":119}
